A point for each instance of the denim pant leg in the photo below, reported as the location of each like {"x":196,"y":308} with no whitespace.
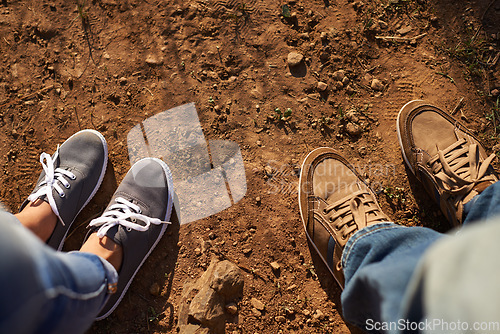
{"x":44,"y":291}
{"x":378,"y":262}
{"x":484,"y":206}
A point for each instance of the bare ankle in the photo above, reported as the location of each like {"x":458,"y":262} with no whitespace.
{"x":38,"y":217}
{"x":105,"y":248}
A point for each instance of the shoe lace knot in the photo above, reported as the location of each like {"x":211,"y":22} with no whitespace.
{"x":126,"y":214}
{"x":354,"y":212}
{"x":55,"y":179}
{"x":460,"y":170}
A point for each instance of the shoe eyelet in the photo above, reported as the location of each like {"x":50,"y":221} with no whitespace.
{"x":129,"y":229}
{"x":62,"y":195}
{"x":73,"y":177}
{"x":330,"y":219}
{"x":140,"y":211}
{"x":324,"y":211}
{"x":67,"y":186}
{"x":134,"y":220}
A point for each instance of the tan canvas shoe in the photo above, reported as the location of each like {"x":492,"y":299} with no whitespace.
{"x":334,"y":203}
{"x":445,"y":156}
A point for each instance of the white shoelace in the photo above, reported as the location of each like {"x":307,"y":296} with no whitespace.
{"x":52,"y":177}
{"x":126,"y":214}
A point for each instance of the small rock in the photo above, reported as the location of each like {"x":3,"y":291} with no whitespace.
{"x":257,"y":304}
{"x":259,"y":143}
{"x":247,"y":251}
{"x":280,"y":319}
{"x":294,"y":59}
{"x":337,"y":85}
{"x":377,"y":85}
{"x":318,"y":314}
{"x":153,"y":60}
{"x":275,"y":266}
{"x":404,"y":30}
{"x":304,"y":35}
{"x":324,"y":36}
{"x":338,"y":75}
{"x":257,"y":199}
{"x":349,"y":90}
{"x":122,"y":81}
{"x":154,"y":289}
{"x":353,"y":130}
{"x":197,"y":251}
{"x":495,"y":92}
{"x":231,"y":308}
{"x":306,"y":312}
{"x":269,"y":170}
{"x":322,"y":86}
{"x":256,"y":312}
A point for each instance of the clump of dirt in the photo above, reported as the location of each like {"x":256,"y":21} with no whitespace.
{"x":109,"y":65}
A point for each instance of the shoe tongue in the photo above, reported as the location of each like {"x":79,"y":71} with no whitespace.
{"x":343,"y":190}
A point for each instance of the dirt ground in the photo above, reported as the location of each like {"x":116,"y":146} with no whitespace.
{"x":110,"y":64}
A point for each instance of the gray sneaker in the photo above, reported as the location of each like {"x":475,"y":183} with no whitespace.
{"x":70,"y":178}
{"x":136,"y":218}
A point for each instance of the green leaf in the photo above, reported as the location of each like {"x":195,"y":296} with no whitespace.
{"x":285,"y":11}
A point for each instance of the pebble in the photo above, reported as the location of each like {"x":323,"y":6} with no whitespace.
{"x":122,"y":81}
{"x":322,"y":86}
{"x":338,"y":75}
{"x":152,"y":60}
{"x":154,"y":289}
{"x":257,"y":304}
{"x":324,"y":36}
{"x":259,"y":143}
{"x":257,"y":199}
{"x":377,"y":85}
{"x":275,"y":266}
{"x":294,"y":58}
{"x":353,"y":129}
{"x":280,"y":319}
{"x":318,"y":314}
{"x":495,"y":92}
{"x":269,"y":170}
{"x":197,"y":251}
{"x":304,"y":35}
{"x":256,"y":312}
{"x":349,"y":90}
{"x":247,"y":251}
{"x":231,"y":308}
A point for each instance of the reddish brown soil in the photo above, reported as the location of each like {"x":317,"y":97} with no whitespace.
{"x":61,"y":71}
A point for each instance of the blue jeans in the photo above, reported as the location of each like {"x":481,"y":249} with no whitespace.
{"x":379,"y":264}
{"x":44,"y":291}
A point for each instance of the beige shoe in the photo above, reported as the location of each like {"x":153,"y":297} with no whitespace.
{"x":445,"y":156}
{"x":334,"y":203}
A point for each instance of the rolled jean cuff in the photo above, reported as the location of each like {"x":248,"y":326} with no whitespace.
{"x":360,"y":234}
{"x":109,"y":271}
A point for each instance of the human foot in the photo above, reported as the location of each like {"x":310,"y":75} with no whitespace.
{"x":69,"y":180}
{"x":135,"y":219}
{"x":445,"y":156}
{"x":334,"y":203}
